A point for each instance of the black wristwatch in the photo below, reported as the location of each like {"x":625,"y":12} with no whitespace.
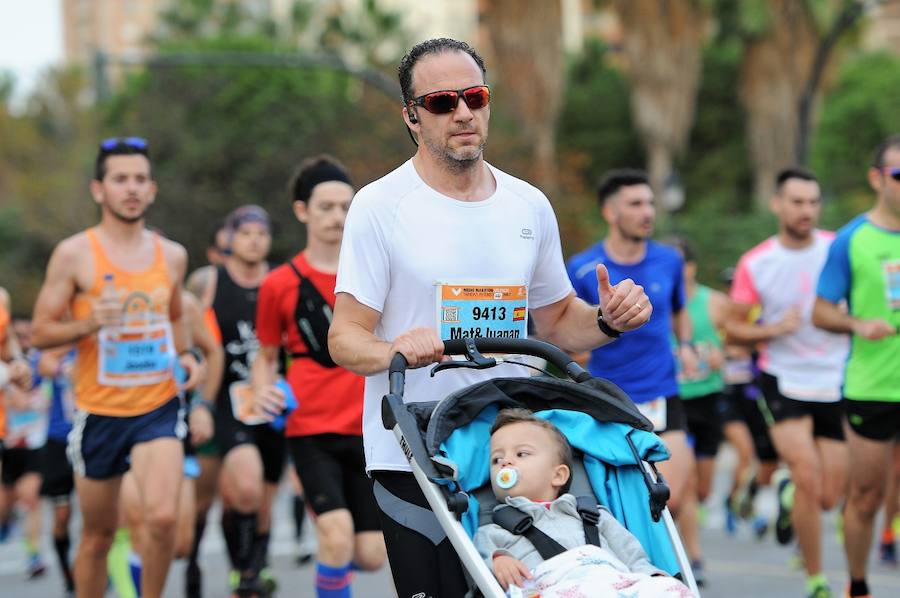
{"x":604,"y":327}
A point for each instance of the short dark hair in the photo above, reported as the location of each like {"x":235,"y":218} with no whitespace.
{"x":794,"y":172}
{"x":315,"y":170}
{"x":615,"y":179}
{"x":688,"y":252}
{"x":892,"y":142}
{"x":118,"y":150}
{"x":214,"y":231}
{"x":431,"y":46}
{"x":518,"y":415}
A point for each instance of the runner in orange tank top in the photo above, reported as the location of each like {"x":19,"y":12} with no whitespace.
{"x":115,"y":290}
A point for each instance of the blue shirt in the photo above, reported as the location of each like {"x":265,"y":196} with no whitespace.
{"x":641,"y":362}
{"x":60,"y":421}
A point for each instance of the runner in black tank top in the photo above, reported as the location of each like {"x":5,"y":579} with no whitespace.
{"x":252,"y":452}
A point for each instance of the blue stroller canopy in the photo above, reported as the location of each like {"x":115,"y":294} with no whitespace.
{"x":597,"y":418}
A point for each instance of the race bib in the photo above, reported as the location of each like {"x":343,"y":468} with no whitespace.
{"x":738,"y":371}
{"x":808,"y":391}
{"x":655,"y":411}
{"x":135,"y":355}
{"x":892,"y":283}
{"x":481,"y":310}
{"x":241,"y":395}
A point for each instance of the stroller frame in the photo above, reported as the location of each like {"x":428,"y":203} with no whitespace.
{"x":432,"y":473}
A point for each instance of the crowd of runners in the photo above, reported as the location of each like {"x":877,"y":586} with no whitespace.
{"x":150,"y":394}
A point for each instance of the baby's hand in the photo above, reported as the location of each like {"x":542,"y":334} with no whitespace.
{"x":510,"y":571}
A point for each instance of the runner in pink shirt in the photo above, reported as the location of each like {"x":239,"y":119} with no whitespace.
{"x":801,"y":366}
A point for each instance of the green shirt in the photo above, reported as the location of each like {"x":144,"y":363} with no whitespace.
{"x":705,"y":339}
{"x":863,"y":267}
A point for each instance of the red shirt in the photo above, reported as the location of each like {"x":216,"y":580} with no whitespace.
{"x":330,"y":399}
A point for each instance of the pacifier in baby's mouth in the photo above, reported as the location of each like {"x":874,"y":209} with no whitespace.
{"x":507,"y":477}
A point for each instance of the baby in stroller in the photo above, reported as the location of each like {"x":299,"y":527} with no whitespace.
{"x":530,"y":468}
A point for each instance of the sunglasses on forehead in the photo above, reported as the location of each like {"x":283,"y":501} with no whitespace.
{"x":138,"y":144}
{"x":893,"y":172}
{"x":446,"y":101}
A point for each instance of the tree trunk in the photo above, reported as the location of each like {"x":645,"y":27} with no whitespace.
{"x":526,"y":67}
{"x":662,"y":45}
{"x":774,"y":72}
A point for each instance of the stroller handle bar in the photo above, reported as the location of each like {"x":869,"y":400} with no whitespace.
{"x":473,"y":347}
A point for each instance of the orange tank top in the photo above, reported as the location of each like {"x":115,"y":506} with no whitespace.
{"x":126,"y":370}
{"x":4,"y":324}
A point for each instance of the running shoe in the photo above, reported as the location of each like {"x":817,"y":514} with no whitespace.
{"x":820,"y":591}
{"x":267,"y":577}
{"x":744,"y":498}
{"x":36,"y":566}
{"x":760,"y":527}
{"x":699,"y":575}
{"x":6,"y":528}
{"x":784,"y":530}
{"x":731,"y":518}
{"x":887,"y":553}
{"x":250,"y":588}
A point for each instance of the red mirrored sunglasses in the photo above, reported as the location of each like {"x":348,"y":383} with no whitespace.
{"x":445,"y":101}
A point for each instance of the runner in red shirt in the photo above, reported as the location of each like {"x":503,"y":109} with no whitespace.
{"x":325,"y":431}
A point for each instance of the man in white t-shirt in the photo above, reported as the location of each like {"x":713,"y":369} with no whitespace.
{"x":801,"y":366}
{"x":414,"y":239}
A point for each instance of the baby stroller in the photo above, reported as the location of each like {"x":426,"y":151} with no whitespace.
{"x":446,"y":443}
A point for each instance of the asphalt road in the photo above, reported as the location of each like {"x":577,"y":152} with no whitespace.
{"x":737,"y":566}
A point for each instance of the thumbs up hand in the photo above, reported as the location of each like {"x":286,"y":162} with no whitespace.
{"x":625,"y":306}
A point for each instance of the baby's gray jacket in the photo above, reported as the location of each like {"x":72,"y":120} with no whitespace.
{"x":562,"y":523}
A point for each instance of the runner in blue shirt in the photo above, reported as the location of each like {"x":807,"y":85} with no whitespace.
{"x":641,"y":362}
{"x":58,"y":481}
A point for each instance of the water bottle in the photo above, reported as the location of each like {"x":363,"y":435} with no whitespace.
{"x":290,"y":403}
{"x":109,"y":288}
{"x":108,"y":292}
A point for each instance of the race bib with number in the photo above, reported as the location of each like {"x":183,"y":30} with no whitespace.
{"x":241,"y":395}
{"x":474,"y":310}
{"x":655,"y":411}
{"x":136,"y":355}
{"x":892,"y":283}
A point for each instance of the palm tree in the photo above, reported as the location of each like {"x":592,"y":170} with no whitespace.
{"x":662,"y":43}
{"x":527,"y":70}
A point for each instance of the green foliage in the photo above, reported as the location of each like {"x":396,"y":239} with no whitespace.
{"x":857,"y":115}
{"x":716,"y":168}
{"x":596,"y":118}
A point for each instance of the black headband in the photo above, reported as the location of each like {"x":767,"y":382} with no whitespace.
{"x":321,"y":172}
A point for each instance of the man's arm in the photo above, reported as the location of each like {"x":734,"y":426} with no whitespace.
{"x":571,"y":323}
{"x":50,"y":327}
{"x":181,"y":325}
{"x":263,"y":372}
{"x":198,"y":281}
{"x":19,"y":370}
{"x":203,"y":340}
{"x":353,"y":344}
{"x":683,"y":329}
{"x":831,"y":317}
{"x":740,"y":330}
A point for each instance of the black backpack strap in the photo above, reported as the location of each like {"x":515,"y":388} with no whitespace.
{"x":516,"y":522}
{"x":311,"y":320}
{"x":590,"y":516}
{"x":299,"y":277}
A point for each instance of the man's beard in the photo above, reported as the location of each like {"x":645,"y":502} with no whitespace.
{"x":797,"y":234}
{"x":127,"y":219}
{"x":454,"y":162}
